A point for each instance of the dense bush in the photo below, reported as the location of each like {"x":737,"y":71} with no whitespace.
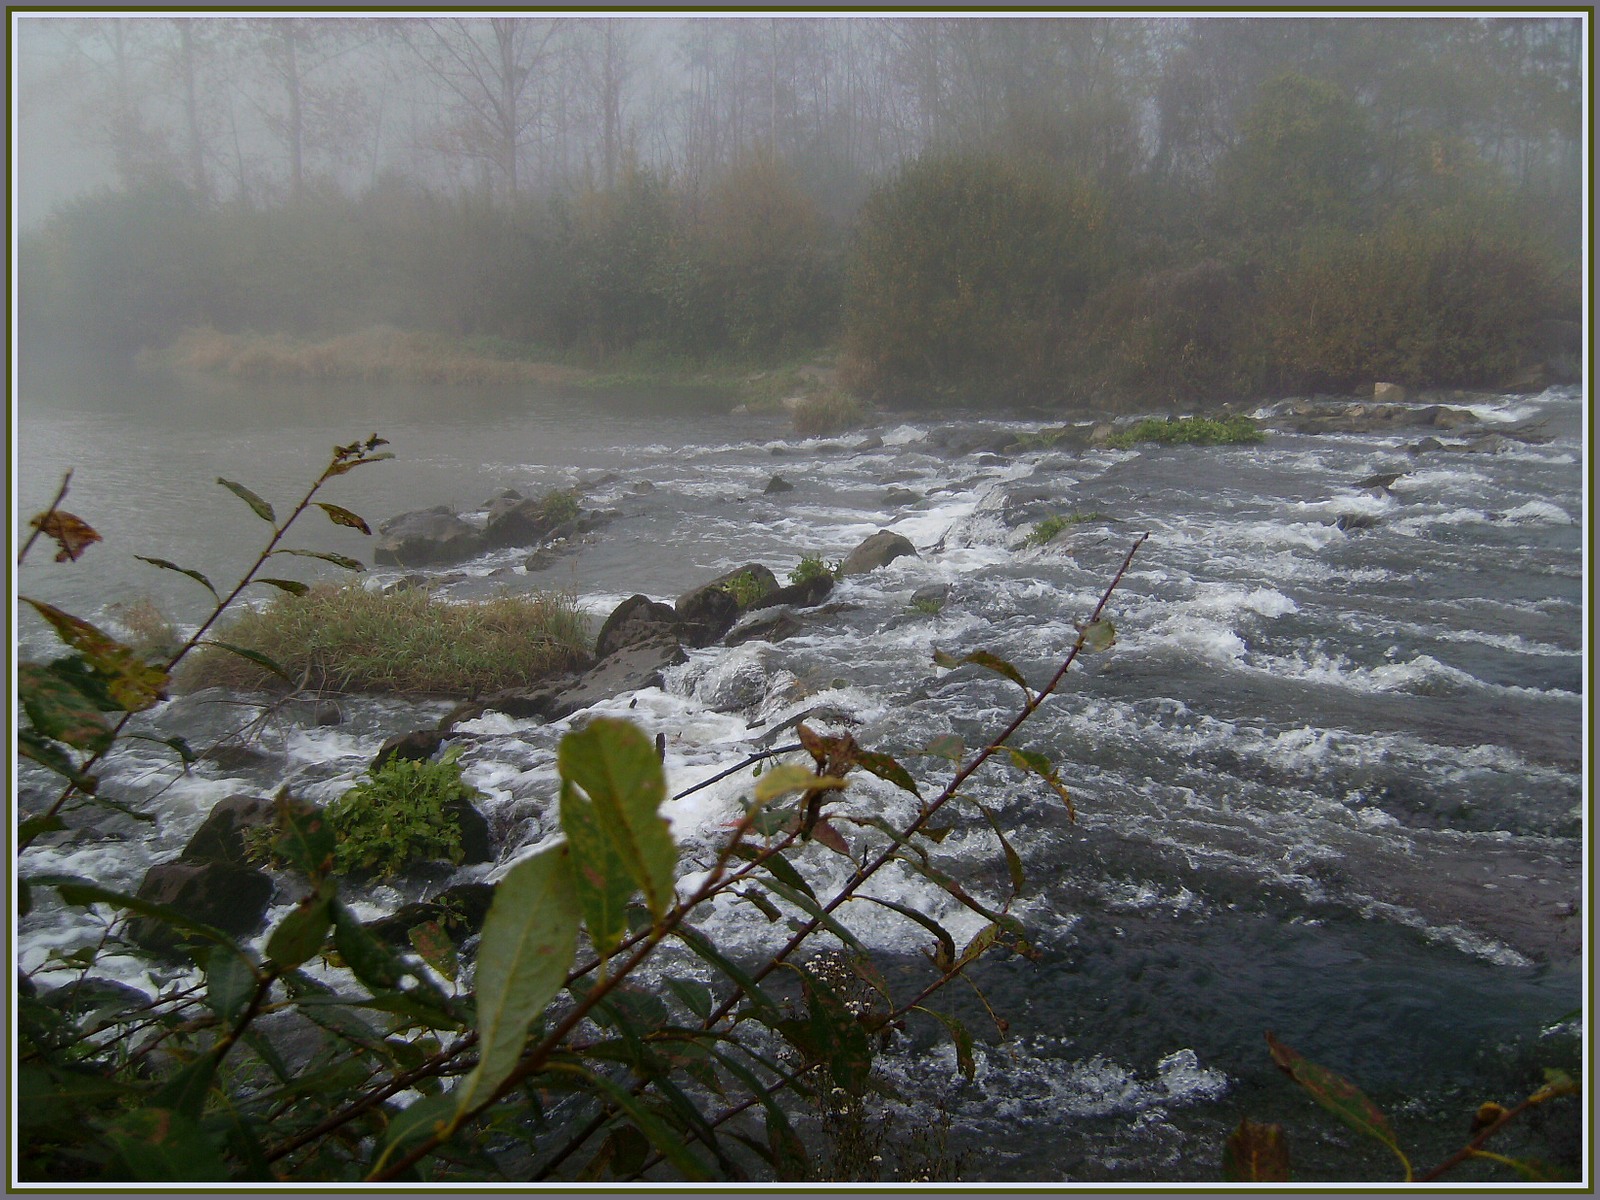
{"x":1415,"y":302}
{"x":964,"y":271}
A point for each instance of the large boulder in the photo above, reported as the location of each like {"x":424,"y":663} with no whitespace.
{"x":636,"y":619}
{"x":417,"y":746}
{"x":798,"y":595}
{"x":876,"y":551}
{"x":523,"y":522}
{"x":626,"y":670}
{"x":225,"y":835}
{"x":233,"y":899}
{"x":709,"y":611}
{"x":477,"y":845}
{"x":433,"y":535}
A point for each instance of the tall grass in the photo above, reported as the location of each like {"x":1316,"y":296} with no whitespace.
{"x":353,"y":640}
{"x":825,"y":412}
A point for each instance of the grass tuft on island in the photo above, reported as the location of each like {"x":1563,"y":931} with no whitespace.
{"x":1193,"y":431}
{"x":349,"y":639}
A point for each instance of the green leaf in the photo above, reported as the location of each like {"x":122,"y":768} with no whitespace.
{"x":257,"y":505}
{"x":304,"y":839}
{"x":159,"y":1145}
{"x":437,"y":950}
{"x":1038,"y":764}
{"x":165,"y":565}
{"x":338,"y":560}
{"x":34,"y":826}
{"x":992,"y":662}
{"x":133,"y":683}
{"x":845,"y":1048}
{"x":59,"y":710}
{"x":255,"y":656}
{"x":945,"y":956}
{"x":776,"y":865}
{"x":787,"y":1148}
{"x":616,"y":766}
{"x":428,"y":1117}
{"x":51,"y":756}
{"x":1013,"y":861}
{"x":792,"y":777}
{"x":1338,"y":1095}
{"x":809,"y":905}
{"x":1256,"y":1154}
{"x":703,"y":946}
{"x":601,"y":875}
{"x":962,"y":1039}
{"x":301,"y":934}
{"x":980,"y":942}
{"x":887,"y":769}
{"x":667,"y":1141}
{"x":1098,"y":635}
{"x":230,"y":982}
{"x":528,"y":942}
{"x":293,"y":586}
{"x":343,"y":516}
{"x":695,"y":995}
{"x":369,"y":960}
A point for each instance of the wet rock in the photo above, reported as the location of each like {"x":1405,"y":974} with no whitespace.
{"x":434,"y":535}
{"x":520,"y":523}
{"x":1388,"y":393}
{"x":643,"y":488}
{"x":797,"y":595}
{"x":776,"y":485}
{"x":235,"y":758}
{"x":735,"y":682}
{"x":772,"y":628}
{"x":94,"y":994}
{"x":233,"y":899}
{"x":631,"y":669}
{"x":709,"y":611}
{"x":873,"y":442}
{"x":932,"y":596}
{"x":417,"y":746}
{"x":224,"y":836}
{"x":878,"y":550}
{"x":900,"y":497}
{"x":476,"y":844}
{"x":1349,"y":522}
{"x":327,"y":713}
{"x":1427,"y":445}
{"x":459,"y":909}
{"x":636,"y":619}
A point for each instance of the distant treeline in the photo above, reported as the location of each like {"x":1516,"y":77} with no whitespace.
{"x":1338,"y":234}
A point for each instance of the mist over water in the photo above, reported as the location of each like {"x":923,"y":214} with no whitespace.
{"x":1328,"y":782}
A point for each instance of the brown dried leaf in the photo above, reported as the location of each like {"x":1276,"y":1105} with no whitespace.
{"x":73,"y":534}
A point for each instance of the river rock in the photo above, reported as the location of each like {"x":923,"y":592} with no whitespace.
{"x":709,"y":611}
{"x":876,"y":551}
{"x":900,"y":497}
{"x":94,"y":994}
{"x":519,"y":523}
{"x":636,"y":619}
{"x":1388,"y":393}
{"x":735,"y":682}
{"x":630,"y":669}
{"x":234,"y":899}
{"x":797,"y":595}
{"x":773,"y":627}
{"x":417,"y":746}
{"x":225,"y":834}
{"x":777,"y":484}
{"x":476,"y":844}
{"x":461,"y":909}
{"x":433,"y":535}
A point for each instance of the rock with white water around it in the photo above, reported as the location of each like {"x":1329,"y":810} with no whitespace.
{"x":231,"y":898}
{"x":433,"y":535}
{"x":228,"y":830}
{"x":709,"y":611}
{"x":637,"y":619}
{"x":876,"y":551}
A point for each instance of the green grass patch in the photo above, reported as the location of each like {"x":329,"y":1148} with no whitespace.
{"x":349,"y":639}
{"x":1194,"y":431}
{"x":828,"y":411}
{"x":1046,"y":531}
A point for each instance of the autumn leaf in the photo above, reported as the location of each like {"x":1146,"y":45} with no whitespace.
{"x":73,"y":534}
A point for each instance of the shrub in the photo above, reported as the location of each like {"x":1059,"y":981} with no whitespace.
{"x":1417,"y":302}
{"x":403,"y":813}
{"x":811,"y":566}
{"x":1194,"y":431}
{"x":826,"y":412}
{"x":962,"y":274}
{"x":351,"y":639}
{"x":745,"y":588}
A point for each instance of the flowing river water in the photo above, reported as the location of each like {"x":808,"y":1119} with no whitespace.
{"x":1329,"y":781}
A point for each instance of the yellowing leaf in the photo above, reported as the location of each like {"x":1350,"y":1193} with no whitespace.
{"x":1256,"y":1154}
{"x":343,"y":516}
{"x":129,"y":680}
{"x":792,"y":777}
{"x":72,"y":534}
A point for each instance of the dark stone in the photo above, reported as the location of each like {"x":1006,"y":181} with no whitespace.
{"x":223,"y":835}
{"x":1426,"y":446}
{"x":871,"y":442}
{"x":773,"y":628}
{"x":231,"y":898}
{"x":777,"y":484}
{"x":327,"y":712}
{"x":709,"y":611}
{"x":519,"y":523}
{"x":643,"y":488}
{"x":94,"y":994}
{"x":630,"y":669}
{"x":934,"y":594}
{"x":234,"y":758}
{"x":636,"y":619}
{"x":876,"y":551}
{"x":899,"y":498}
{"x":418,"y":746}
{"x":460,"y":909}
{"x":1352,"y":521}
{"x":798,"y":595}
{"x":433,"y":535}
{"x":476,"y":844}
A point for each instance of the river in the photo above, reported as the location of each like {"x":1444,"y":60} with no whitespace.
{"x":1329,"y":781}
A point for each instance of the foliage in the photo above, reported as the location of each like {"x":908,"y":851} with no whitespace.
{"x":745,"y":588}
{"x":558,"y":506}
{"x":964,"y":269}
{"x":350,"y":638}
{"x":1190,"y":431}
{"x":1049,"y":528}
{"x":404,"y":812}
{"x":825,"y":412}
{"x":812,"y":566}
{"x":1414,"y":302}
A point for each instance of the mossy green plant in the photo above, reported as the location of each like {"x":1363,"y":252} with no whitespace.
{"x":1192,"y":431}
{"x":558,"y":507}
{"x":1050,"y":527}
{"x":812,"y":566}
{"x":401,"y":814}
{"x":745,"y":588}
